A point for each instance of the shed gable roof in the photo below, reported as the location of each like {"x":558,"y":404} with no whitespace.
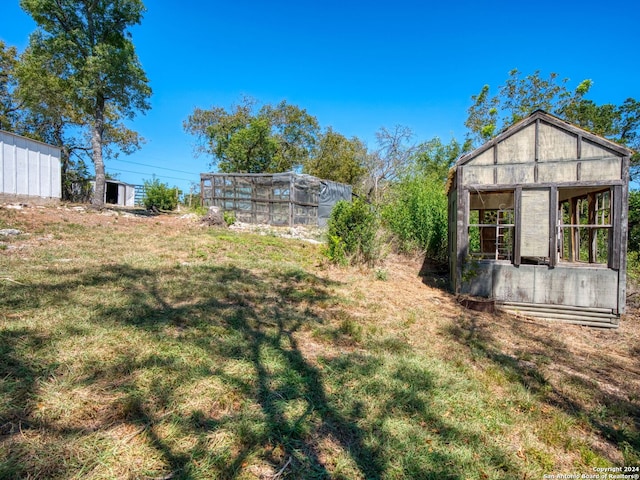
{"x":556,"y":139}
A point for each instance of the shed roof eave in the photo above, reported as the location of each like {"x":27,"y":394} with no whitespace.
{"x":32,"y":140}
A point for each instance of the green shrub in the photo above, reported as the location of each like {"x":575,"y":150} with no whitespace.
{"x":159,"y":195}
{"x":417,"y":216}
{"x":352,"y":233}
{"x":633,"y":266}
{"x":634,"y":221}
{"x":229,"y":217}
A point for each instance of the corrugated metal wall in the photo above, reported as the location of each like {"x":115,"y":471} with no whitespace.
{"x":29,"y":168}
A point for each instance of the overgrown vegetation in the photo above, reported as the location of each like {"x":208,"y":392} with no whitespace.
{"x":159,"y":195}
{"x":352,"y":233}
{"x":417,"y":216}
{"x":159,"y":349}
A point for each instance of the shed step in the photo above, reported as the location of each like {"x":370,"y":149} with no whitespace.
{"x":575,"y":315}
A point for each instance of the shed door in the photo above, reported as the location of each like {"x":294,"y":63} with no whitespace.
{"x":534,"y":223}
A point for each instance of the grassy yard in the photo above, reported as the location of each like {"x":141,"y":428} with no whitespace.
{"x":154,"y":348}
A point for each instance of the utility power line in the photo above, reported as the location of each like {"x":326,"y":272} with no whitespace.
{"x":153,"y":174}
{"x":153,"y":166}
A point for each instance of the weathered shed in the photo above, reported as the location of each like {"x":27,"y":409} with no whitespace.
{"x":29,"y":170}
{"x":118,"y":193}
{"x":538,"y":222}
{"x":273,"y":198}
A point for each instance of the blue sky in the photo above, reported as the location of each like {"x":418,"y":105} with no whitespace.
{"x":357,"y":66}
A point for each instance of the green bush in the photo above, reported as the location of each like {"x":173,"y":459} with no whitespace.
{"x":159,"y":195}
{"x":634,"y":221}
{"x":633,"y":266}
{"x":417,"y":216}
{"x":352,"y":233}
{"x":229,"y":217}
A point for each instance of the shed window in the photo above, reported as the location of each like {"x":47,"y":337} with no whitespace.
{"x":491,"y":225}
{"x":584,"y":225}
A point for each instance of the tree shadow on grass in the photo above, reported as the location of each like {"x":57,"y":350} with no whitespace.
{"x":244,"y":329}
{"x":473,"y":331}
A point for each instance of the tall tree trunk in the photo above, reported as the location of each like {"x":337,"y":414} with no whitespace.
{"x":96,"y":146}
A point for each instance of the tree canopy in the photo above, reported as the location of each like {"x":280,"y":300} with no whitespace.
{"x":245,"y":139}
{"x":433,"y":159}
{"x":9,"y":106}
{"x":520,"y":96}
{"x":87,"y":47}
{"x":337,"y":158}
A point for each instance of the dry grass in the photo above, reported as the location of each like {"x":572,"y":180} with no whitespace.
{"x":150,"y":347}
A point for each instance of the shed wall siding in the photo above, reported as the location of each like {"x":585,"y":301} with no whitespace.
{"x":538,"y":284}
{"x":551,"y":172}
{"x":478,"y":175}
{"x":29,"y":168}
{"x":485,"y":158}
{"x":518,"y":148}
{"x":556,"y":144}
{"x":597,"y":170}
{"x":580,"y":287}
{"x":515,"y":174}
{"x":589,"y":150}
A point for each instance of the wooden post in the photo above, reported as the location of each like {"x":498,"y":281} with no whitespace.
{"x":517,"y":228}
{"x":574,"y":240}
{"x":292,"y":197}
{"x":553,"y":226}
{"x":593,"y":237}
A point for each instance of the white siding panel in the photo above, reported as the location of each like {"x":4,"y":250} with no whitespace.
{"x":28,"y":167}
{"x":557,"y":172}
{"x":606,"y":169}
{"x":485,"y":158}
{"x":22,"y":170}
{"x":122,"y":195}
{"x":534,"y":223}
{"x":45,"y":175}
{"x":480,"y":175}
{"x":56,"y":177}
{"x":516,"y":174}
{"x":131,"y":196}
{"x":8,"y":169}
{"x":519,"y":147}
{"x":580,"y":287}
{"x":556,"y":144}
{"x":589,"y":150}
{"x":34,"y":173}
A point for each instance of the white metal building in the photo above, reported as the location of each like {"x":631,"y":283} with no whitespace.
{"x":29,"y":170}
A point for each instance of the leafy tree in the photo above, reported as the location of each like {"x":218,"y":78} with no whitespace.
{"x":620,"y":123}
{"x":49,"y":117}
{"x":252,"y":149}
{"x":31,"y":104}
{"x":9,"y":105}
{"x":249,"y":140}
{"x":519,"y":97}
{"x":87,"y":45}
{"x":434,"y":158}
{"x":634,"y":221}
{"x":516,"y":99}
{"x":337,"y":158}
{"x":295,"y":133}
